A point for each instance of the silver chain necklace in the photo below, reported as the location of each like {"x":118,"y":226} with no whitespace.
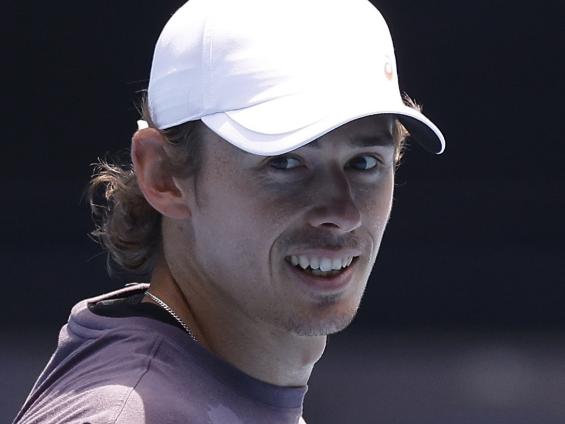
{"x":172,"y":313}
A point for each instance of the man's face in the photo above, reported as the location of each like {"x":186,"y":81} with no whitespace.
{"x":258,"y":221}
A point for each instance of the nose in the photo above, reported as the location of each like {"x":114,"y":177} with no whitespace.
{"x":333,"y":205}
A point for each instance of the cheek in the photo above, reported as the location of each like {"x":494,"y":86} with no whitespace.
{"x":239,"y":213}
{"x":284,"y":204}
{"x":375,"y":201}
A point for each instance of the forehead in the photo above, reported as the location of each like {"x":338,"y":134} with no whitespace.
{"x":363,"y":132}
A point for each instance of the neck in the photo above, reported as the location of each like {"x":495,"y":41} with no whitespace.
{"x":265,"y":352}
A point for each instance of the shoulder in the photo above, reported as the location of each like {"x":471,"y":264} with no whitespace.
{"x":125,"y":380}
{"x":105,"y":404}
{"x":92,"y":382}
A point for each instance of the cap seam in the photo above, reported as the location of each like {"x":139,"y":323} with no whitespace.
{"x":207,"y":60}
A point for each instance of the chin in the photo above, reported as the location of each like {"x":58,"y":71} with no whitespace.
{"x":320,"y":323}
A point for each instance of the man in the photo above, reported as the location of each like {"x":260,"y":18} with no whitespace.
{"x":262,"y":182}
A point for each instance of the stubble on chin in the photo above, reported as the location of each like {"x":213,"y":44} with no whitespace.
{"x":326,"y":319}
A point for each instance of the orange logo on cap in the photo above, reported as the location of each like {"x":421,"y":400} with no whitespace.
{"x":389,"y":72}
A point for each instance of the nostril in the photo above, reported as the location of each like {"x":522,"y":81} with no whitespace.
{"x":329,"y":225}
{"x":344,"y":217}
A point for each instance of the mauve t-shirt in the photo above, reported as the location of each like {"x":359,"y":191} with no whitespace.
{"x":121,"y":361}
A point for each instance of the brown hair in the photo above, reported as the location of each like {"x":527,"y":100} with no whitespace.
{"x":126,"y":225}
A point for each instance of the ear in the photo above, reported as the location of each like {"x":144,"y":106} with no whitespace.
{"x":153,"y":176}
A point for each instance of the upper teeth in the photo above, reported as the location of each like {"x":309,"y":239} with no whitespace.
{"x":321,"y":263}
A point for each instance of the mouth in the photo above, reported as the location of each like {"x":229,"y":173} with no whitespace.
{"x":322,"y":267}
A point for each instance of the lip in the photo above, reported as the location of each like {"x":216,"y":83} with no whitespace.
{"x":325,"y":284}
{"x":327,"y":253}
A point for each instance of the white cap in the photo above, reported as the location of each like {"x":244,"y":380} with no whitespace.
{"x":270,"y":76}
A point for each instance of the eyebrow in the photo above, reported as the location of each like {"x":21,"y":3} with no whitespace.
{"x":362,"y":141}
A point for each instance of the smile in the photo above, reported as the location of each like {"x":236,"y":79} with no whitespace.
{"x":321,"y":266}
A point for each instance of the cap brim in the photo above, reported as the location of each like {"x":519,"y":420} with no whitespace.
{"x":423,"y":131}
{"x":274,"y":128}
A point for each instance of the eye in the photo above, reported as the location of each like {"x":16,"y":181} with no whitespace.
{"x":284,"y":162}
{"x":364,"y":162}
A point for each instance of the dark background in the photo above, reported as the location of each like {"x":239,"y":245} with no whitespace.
{"x":475,"y":243}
